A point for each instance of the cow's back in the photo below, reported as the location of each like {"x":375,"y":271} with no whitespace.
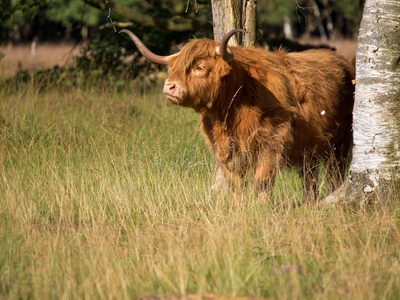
{"x":324,"y":98}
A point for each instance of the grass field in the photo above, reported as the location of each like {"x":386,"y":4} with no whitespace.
{"x":104,"y":194}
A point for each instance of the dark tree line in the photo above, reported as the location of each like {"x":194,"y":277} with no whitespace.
{"x":22,"y":20}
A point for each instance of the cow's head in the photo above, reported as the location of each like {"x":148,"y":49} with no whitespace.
{"x":195,"y":72}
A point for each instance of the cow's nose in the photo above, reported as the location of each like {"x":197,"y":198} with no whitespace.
{"x":170,"y":88}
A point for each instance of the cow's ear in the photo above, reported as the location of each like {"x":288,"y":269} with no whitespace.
{"x":224,"y":69}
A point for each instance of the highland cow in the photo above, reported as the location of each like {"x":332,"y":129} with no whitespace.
{"x":261,"y":110}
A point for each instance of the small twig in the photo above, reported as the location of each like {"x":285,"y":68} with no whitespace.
{"x":109,"y":15}
{"x":187,"y":6}
{"x":119,"y":24}
{"x":230,"y":104}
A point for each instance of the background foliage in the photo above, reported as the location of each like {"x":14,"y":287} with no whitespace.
{"x":50,"y":19}
{"x":109,"y":55}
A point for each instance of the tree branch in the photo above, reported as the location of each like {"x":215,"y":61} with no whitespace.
{"x":175,"y":24}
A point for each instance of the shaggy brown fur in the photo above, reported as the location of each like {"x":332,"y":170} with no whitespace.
{"x":267,"y":109}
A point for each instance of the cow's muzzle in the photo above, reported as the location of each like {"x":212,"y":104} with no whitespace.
{"x":173,"y":91}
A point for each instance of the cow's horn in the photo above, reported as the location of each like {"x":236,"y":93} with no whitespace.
{"x":223,"y":49}
{"x":154,"y":58}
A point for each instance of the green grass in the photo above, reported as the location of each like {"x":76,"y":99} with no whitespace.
{"x":104,"y":194}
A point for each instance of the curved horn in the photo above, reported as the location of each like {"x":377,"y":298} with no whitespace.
{"x":222,"y":49}
{"x":154,"y":58}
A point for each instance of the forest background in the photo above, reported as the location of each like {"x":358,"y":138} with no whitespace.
{"x":87,"y":25}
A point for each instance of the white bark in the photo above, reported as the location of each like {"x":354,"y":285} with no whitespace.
{"x":376,"y":115}
{"x":287,"y":29}
{"x":377,"y":102}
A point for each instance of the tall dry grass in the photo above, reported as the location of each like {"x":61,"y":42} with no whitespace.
{"x":105,"y":195}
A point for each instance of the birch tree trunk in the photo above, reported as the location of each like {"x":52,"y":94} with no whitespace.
{"x":249,"y":20}
{"x":234,"y":14}
{"x":376,"y":115}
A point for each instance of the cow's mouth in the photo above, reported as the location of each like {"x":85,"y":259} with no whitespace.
{"x":172,"y":99}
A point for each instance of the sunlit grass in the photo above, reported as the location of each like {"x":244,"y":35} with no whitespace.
{"x":45,"y":55}
{"x":106,"y":195}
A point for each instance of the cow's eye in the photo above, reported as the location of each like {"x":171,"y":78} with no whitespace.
{"x":200,"y":71}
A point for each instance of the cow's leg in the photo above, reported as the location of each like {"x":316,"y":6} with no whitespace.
{"x":335,"y":168}
{"x":219,"y":181}
{"x":339,"y":157}
{"x":265,"y":173}
{"x":309,"y":180}
{"x":224,"y":178}
{"x":233,"y":178}
{"x":229,"y":182}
